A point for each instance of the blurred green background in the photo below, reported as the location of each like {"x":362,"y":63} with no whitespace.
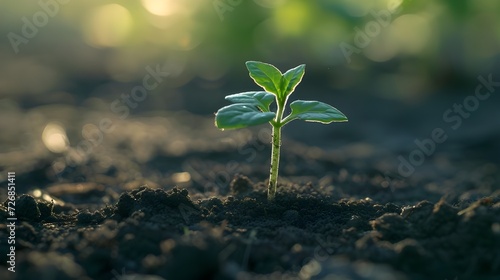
{"x":69,"y":51}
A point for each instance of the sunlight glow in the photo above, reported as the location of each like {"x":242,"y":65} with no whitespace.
{"x":160,"y":7}
{"x":108,"y":26}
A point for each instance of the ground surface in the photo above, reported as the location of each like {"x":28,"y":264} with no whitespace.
{"x":167,"y":196}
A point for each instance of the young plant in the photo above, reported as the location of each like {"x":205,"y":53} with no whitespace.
{"x":252,"y":108}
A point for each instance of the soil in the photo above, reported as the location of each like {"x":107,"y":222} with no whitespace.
{"x":167,"y":196}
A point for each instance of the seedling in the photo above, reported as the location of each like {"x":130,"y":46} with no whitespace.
{"x":252,"y":108}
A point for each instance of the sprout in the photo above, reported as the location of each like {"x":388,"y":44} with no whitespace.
{"x":252,"y":108}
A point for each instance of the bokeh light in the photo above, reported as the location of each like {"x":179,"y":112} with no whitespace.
{"x":160,"y":7}
{"x":108,"y":26}
{"x":54,"y":138}
{"x":411,"y":33}
{"x":293,"y":19}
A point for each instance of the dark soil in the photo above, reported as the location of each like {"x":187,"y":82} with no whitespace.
{"x":171,"y":197}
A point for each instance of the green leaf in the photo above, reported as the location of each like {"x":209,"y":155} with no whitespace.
{"x":241,"y":115}
{"x":315,"y":111}
{"x":265,"y":75}
{"x":292,"y":78}
{"x":260,"y":99}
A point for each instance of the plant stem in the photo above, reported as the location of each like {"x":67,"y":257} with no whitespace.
{"x":275,"y":152}
{"x":275,"y":161}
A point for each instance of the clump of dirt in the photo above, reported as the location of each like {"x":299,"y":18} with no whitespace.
{"x":241,"y":185}
{"x":150,"y":200}
{"x":27,"y":208}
